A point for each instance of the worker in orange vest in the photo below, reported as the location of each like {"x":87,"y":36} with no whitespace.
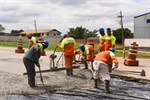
{"x":100,"y":66}
{"x":102,"y":36}
{"x":109,"y":40}
{"x":68,"y":45}
{"x":32,"y":40}
{"x":87,"y":52}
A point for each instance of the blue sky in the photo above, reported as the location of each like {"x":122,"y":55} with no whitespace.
{"x":64,"y":14}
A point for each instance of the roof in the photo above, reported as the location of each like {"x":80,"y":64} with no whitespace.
{"x":142,"y":15}
{"x":39,"y":31}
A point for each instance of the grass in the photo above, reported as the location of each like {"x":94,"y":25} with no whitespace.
{"x":52,"y":46}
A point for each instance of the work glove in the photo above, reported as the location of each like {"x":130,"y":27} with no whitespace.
{"x":58,"y":45}
{"x":116,"y":66}
{"x":77,"y":51}
{"x":83,"y":58}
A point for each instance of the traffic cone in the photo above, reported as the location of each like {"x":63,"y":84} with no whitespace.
{"x":143,"y":73}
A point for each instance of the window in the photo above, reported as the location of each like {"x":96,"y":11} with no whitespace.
{"x":148,"y":20}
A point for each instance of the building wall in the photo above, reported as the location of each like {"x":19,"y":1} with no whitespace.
{"x":52,"y":34}
{"x":15,"y":38}
{"x":141,"y":42}
{"x":141,"y":26}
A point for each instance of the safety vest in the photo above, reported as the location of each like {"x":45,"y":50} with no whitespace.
{"x":86,"y":51}
{"x":68,"y":45}
{"x":101,"y":46}
{"x":109,"y":42}
{"x":32,"y":42}
{"x":40,"y":47}
{"x":33,"y":39}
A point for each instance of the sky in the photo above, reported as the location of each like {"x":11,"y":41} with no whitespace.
{"x":65,"y":14}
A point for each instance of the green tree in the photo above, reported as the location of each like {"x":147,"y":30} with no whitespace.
{"x":118,"y":34}
{"x":91,"y":34}
{"x":1,"y":28}
{"x":80,"y":33}
{"x":15,"y":32}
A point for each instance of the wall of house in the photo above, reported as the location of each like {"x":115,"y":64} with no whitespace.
{"x":52,"y":34}
{"x":142,"y":26}
{"x":141,"y":42}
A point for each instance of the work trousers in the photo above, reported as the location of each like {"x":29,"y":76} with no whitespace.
{"x":68,"y":60}
{"x":101,"y":69}
{"x":30,"y":67}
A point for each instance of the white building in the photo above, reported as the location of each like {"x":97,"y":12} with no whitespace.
{"x":51,"y":33}
{"x":142,"y":26}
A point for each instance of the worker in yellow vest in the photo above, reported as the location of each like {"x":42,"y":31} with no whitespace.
{"x":101,"y":46}
{"x":68,"y":44}
{"x":109,"y":40}
{"x":32,"y":40}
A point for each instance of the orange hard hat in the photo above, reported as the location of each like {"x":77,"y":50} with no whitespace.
{"x":28,"y":35}
{"x":65,"y":35}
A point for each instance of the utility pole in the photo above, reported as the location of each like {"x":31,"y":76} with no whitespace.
{"x":121,"y":23}
{"x":35,"y":28}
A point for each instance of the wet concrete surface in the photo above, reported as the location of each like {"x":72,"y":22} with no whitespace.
{"x":121,"y":90}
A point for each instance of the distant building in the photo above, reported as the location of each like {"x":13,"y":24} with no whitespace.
{"x":142,"y":26}
{"x":2,"y":33}
{"x":52,"y":33}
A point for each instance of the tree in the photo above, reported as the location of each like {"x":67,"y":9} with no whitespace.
{"x":118,"y":34}
{"x":80,"y":33}
{"x":91,"y":34}
{"x":1,"y":28}
{"x":15,"y":32}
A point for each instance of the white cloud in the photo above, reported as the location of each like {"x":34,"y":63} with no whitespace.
{"x":64,"y":14}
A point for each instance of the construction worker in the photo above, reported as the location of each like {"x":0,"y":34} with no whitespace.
{"x":100,"y":66}
{"x":68,"y":45}
{"x":87,"y":52}
{"x":102,"y":37}
{"x":30,"y":59}
{"x":109,"y":40}
{"x":32,"y":40}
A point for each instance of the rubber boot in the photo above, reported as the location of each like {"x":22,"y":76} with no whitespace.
{"x":29,"y":80}
{"x":110,"y":68}
{"x":86,"y":65}
{"x":32,"y":83}
{"x":92,"y":65}
{"x":95,"y":82}
{"x":71,"y":70}
{"x":68,"y":71}
{"x":107,"y":84}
